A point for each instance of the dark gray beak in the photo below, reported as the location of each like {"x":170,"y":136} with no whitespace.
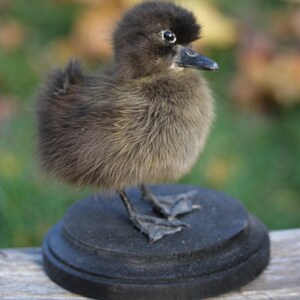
{"x":188,"y":58}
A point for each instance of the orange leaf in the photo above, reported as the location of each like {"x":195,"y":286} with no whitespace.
{"x":12,"y":35}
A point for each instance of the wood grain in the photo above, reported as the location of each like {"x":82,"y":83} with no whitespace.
{"x":22,"y":275}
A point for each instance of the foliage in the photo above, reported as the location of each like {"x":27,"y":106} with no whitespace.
{"x":253,"y":152}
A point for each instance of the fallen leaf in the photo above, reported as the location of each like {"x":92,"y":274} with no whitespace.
{"x":268,"y":74}
{"x":60,"y":50}
{"x":7,"y":108}
{"x":219,"y":30}
{"x":12,"y":35}
{"x":93,"y":29}
{"x":220,"y":170}
{"x":284,"y":77}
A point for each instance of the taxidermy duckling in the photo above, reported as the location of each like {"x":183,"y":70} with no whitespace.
{"x":143,"y":121}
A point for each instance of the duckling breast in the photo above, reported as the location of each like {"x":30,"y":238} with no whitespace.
{"x":165,"y":123}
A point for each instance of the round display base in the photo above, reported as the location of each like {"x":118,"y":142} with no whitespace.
{"x":96,"y":251}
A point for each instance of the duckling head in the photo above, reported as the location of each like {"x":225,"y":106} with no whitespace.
{"x":155,"y":37}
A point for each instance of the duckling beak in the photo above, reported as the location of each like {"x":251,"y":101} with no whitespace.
{"x":188,"y":58}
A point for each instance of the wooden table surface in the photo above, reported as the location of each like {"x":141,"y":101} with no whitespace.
{"x":22,"y":275}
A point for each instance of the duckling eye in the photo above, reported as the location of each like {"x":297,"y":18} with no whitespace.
{"x":168,"y":36}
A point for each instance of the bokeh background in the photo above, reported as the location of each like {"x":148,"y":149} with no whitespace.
{"x":253,"y":152}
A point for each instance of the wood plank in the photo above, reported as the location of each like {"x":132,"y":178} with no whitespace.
{"x":22,"y":276}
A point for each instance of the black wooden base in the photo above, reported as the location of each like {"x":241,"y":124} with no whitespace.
{"x":95,"y":250}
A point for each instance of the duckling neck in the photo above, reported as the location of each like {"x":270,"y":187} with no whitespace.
{"x":173,"y":86}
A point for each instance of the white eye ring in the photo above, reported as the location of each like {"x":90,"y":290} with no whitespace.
{"x":168,"y":36}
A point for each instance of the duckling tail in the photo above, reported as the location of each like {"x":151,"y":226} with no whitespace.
{"x":61,"y":83}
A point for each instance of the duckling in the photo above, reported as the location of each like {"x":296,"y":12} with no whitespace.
{"x":142,"y":121}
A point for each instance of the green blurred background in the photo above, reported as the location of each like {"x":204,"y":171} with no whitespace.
{"x":253,"y":151}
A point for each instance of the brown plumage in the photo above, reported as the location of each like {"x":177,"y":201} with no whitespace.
{"x":143,"y":121}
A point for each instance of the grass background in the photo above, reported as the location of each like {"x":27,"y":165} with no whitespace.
{"x":252,"y":156}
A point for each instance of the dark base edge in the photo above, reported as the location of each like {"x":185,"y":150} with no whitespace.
{"x":193,"y":289}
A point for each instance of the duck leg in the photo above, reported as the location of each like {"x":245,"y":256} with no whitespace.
{"x":171,"y":206}
{"x":154,"y":228}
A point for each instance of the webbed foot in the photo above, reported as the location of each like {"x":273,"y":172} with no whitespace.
{"x":155,"y":228}
{"x":171,"y":206}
